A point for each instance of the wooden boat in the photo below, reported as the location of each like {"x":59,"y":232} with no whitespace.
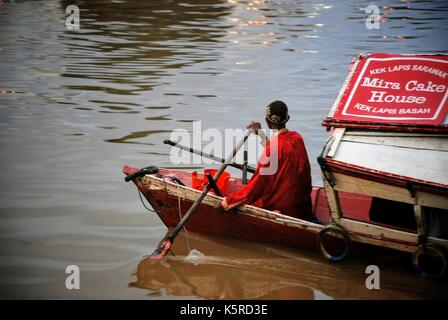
{"x":384,"y":174}
{"x":171,"y":200}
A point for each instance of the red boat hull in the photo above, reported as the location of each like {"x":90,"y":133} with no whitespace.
{"x":211,"y":221}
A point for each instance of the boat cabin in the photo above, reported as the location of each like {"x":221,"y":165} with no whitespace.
{"x":389,"y":141}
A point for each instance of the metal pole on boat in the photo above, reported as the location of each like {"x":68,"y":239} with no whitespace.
{"x":166,"y":243}
{"x":244,"y":176}
{"x":209,"y":156}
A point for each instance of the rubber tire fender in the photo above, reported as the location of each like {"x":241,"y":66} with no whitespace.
{"x":428,"y":248}
{"x":345,"y":236}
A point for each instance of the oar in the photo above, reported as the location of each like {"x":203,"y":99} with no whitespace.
{"x":166,"y":243}
{"x":208,"y":155}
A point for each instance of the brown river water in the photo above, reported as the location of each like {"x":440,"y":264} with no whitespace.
{"x":78,"y":105}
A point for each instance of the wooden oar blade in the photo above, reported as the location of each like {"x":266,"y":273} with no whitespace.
{"x":162,"y":250}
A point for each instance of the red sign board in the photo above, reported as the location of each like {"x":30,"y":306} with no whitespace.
{"x":396,"y":89}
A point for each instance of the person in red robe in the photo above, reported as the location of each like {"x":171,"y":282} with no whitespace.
{"x":282,"y":180}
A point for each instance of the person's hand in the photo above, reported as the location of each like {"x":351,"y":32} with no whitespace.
{"x":222,"y":207}
{"x":224,"y":204}
{"x":254,"y":126}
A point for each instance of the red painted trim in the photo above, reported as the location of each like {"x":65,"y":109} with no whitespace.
{"x":329,"y":122}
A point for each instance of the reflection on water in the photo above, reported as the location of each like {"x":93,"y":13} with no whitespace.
{"x":243,"y":271}
{"x":77,"y":105}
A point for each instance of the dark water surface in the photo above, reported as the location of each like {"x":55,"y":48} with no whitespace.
{"x":77,"y":105}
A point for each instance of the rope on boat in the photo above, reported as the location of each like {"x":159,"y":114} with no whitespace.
{"x":143,"y":203}
{"x":180,"y":212}
{"x":175,"y":180}
{"x":323,"y":164}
